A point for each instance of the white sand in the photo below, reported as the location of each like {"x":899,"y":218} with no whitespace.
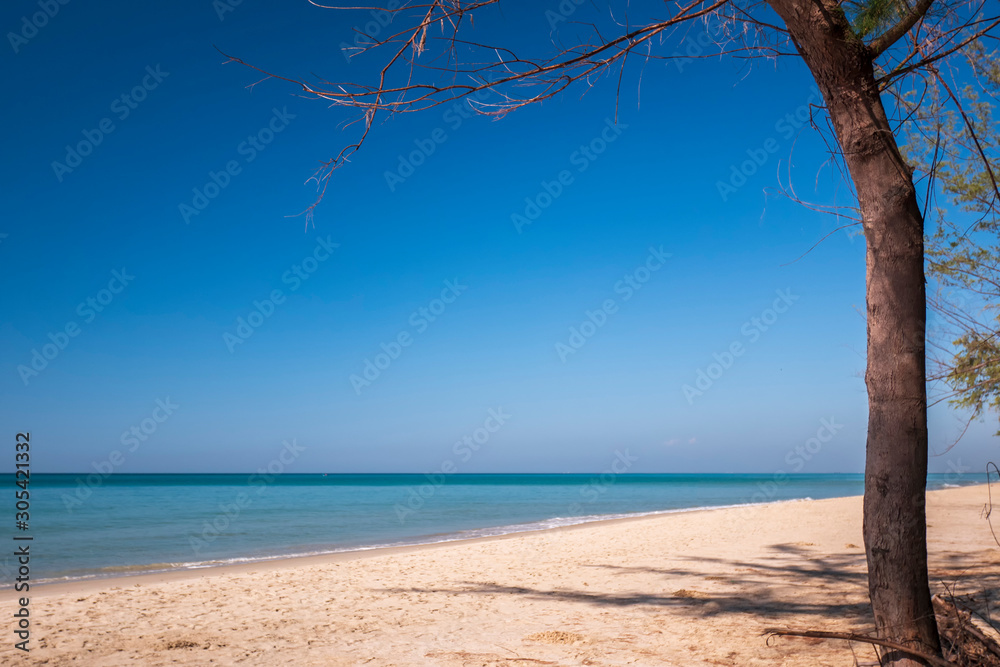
{"x":693,"y":588}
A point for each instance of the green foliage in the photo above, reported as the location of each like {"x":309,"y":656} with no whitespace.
{"x":976,"y":372}
{"x":871,"y":17}
{"x":963,"y":253}
{"x":966,"y":269}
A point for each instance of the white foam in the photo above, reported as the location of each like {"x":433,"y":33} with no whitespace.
{"x":534,"y":526}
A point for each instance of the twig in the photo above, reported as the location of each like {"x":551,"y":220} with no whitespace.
{"x":854,"y":637}
{"x":988,"y":643}
{"x":518,"y":658}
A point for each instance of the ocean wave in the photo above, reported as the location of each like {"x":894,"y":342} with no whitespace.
{"x":458,"y":536}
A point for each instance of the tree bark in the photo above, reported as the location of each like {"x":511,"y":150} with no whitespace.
{"x":895,"y":528}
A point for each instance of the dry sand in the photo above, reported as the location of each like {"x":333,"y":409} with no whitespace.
{"x":694,"y":588}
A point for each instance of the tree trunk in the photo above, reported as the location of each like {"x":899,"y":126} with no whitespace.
{"x":895,"y":528}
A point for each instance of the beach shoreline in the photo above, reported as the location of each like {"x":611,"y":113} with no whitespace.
{"x":281,"y":562}
{"x":48,"y":587}
{"x":694,"y":587}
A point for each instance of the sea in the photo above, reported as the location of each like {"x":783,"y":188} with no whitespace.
{"x":89,"y":526}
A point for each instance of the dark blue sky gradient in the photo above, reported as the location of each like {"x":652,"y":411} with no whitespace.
{"x":656,"y":185}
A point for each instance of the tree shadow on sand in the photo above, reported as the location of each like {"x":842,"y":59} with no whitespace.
{"x":794,"y":581}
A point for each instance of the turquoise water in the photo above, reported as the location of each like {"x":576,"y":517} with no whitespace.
{"x":126,"y":523}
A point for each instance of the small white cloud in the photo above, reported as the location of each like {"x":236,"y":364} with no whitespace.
{"x":692,"y":441}
{"x":672,"y":442}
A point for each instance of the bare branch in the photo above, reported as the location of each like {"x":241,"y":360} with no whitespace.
{"x":896,"y":32}
{"x":855,"y":637}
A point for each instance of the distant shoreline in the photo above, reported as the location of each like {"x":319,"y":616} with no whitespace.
{"x":277,"y":562}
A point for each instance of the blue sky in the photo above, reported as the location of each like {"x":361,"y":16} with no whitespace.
{"x":155,"y":374}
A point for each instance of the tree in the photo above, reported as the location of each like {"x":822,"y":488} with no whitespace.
{"x":858,"y":53}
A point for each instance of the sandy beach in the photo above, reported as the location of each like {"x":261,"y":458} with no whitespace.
{"x":692,"y":588}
